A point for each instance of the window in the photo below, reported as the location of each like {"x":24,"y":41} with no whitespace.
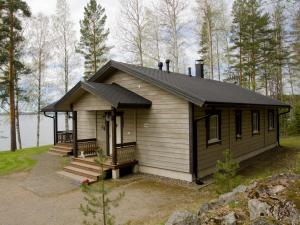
{"x":271,"y":122}
{"x":238,"y":124}
{"x":255,"y":122}
{"x":213,"y":128}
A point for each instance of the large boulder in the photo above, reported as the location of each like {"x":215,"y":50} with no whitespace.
{"x":258,"y":209}
{"x":183,"y":218}
{"x":264,"y":221}
{"x":229,"y":219}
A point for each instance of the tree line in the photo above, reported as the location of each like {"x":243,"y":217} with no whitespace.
{"x":254,"y":43}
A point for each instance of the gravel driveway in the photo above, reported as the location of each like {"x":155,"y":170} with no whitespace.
{"x":42,"y":197}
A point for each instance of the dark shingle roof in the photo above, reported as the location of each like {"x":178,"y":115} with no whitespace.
{"x":115,"y":94}
{"x":196,"y":90}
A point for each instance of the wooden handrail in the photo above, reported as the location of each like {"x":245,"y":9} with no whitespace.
{"x":87,"y":140}
{"x":124,"y":145}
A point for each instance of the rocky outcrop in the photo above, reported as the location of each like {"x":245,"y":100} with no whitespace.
{"x":275,"y":200}
{"x":182,"y":218}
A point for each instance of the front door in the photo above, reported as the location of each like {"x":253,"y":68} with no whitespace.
{"x":118,"y":133}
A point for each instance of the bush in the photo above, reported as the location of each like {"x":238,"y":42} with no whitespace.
{"x":226,"y":176}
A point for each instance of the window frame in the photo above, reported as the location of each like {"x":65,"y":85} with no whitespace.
{"x":273,"y":120}
{"x":217,"y":140}
{"x":258,"y":122}
{"x":238,"y":121}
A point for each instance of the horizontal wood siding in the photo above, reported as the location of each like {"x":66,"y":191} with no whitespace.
{"x":86,"y":124}
{"x":91,"y":102}
{"x":208,"y":155}
{"x":162,"y":133}
{"x":129,"y":125}
{"x":101,"y":133}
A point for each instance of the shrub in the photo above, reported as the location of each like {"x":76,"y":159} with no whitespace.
{"x":226,"y":176}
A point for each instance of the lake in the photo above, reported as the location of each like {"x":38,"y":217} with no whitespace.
{"x":28,"y":124}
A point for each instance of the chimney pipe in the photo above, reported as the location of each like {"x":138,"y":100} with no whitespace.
{"x":168,"y":65}
{"x":160,"y":65}
{"x":200,"y":68}
{"x":190,"y":71}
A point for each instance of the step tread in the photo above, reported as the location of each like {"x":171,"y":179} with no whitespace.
{"x":85,"y":165}
{"x":61,"y":150}
{"x":75,"y":176}
{"x":57,"y":151}
{"x":82,"y":171}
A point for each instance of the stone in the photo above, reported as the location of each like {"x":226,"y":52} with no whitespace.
{"x":182,"y":218}
{"x":204,"y":208}
{"x":276,"y":189}
{"x":252,"y":186}
{"x":229,"y":219}
{"x":227,"y":197}
{"x":240,"y":189}
{"x":264,"y":221}
{"x":258,"y":209}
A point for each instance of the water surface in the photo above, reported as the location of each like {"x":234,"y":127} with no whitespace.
{"x":28,"y":127}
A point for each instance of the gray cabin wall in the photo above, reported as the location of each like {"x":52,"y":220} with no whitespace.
{"x":246,"y":147}
{"x":162,"y":131}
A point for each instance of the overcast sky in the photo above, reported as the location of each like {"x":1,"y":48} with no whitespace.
{"x":112,"y":8}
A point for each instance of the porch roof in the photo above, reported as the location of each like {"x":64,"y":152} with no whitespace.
{"x":116,"y":95}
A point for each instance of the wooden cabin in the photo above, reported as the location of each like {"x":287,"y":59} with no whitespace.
{"x":163,"y":123}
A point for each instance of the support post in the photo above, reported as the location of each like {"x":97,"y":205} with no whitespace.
{"x":75,"y":143}
{"x":55,"y":128}
{"x":113,"y":136}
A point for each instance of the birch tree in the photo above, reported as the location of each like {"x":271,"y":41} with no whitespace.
{"x":65,"y":42}
{"x":132,"y":29}
{"x":39,"y":43}
{"x":172,"y":14}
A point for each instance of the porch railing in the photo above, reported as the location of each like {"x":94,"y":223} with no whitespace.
{"x":126,"y":152}
{"x":64,"y":136}
{"x":87,"y":146}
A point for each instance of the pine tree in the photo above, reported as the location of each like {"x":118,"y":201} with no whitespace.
{"x":11,"y":12}
{"x":98,"y":204}
{"x":296,"y":42}
{"x":93,"y":38}
{"x":250,"y":25}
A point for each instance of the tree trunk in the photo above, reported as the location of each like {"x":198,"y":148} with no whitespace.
{"x":11,"y":87}
{"x":18,"y":128}
{"x":39,"y":99}
{"x":66,"y":70}
{"x":211,"y":62}
{"x":218,"y":57}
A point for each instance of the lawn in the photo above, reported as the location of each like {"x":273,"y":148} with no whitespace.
{"x":20,"y":160}
{"x":284,"y":159}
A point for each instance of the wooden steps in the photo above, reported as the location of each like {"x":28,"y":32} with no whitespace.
{"x":75,"y":177}
{"x":61,"y":149}
{"x":84,"y":168}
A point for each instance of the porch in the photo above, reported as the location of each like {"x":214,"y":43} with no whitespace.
{"x":103,"y":117}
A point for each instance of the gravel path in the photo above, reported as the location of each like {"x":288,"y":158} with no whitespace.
{"x":43,"y":179}
{"x":42,"y":197}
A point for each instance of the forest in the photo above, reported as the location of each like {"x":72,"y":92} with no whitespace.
{"x":252,"y":43}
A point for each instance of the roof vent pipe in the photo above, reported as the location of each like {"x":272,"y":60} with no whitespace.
{"x":190,"y":71}
{"x":200,"y":68}
{"x":160,"y":65}
{"x":168,"y":65}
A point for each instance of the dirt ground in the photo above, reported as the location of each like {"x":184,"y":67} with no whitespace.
{"x":32,"y":198}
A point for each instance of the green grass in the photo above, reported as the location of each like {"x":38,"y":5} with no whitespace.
{"x":285,"y":159}
{"x":21,"y":160}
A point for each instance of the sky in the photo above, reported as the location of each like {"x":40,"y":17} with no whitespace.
{"x":113,"y":10}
